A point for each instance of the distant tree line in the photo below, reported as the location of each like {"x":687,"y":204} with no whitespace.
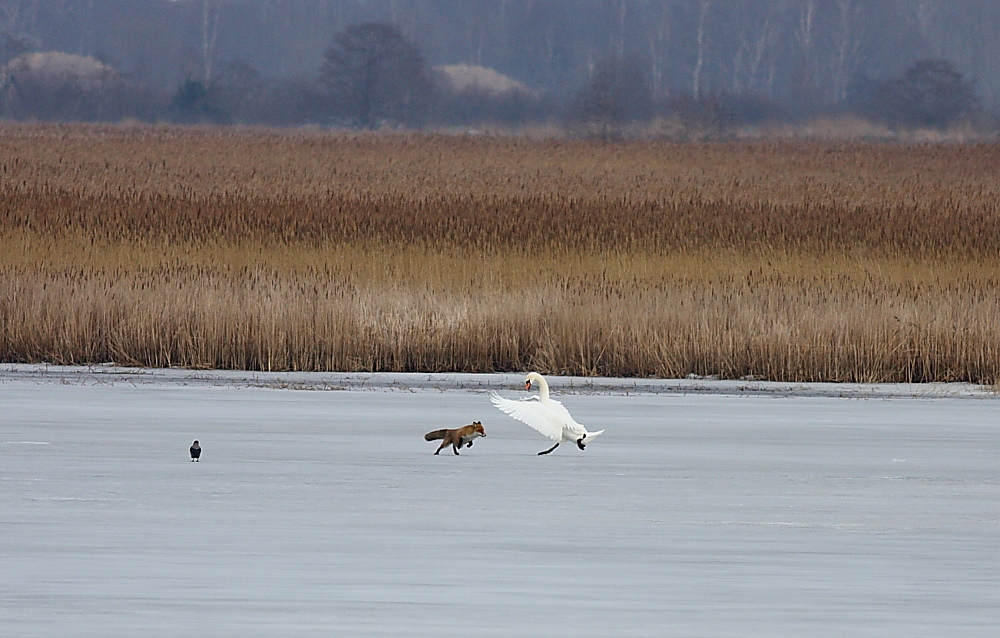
{"x":374,"y":73}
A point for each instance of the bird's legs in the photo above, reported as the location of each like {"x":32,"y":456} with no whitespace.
{"x":579,"y":442}
{"x":549,"y":450}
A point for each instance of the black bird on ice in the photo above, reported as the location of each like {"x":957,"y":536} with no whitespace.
{"x":195,"y":451}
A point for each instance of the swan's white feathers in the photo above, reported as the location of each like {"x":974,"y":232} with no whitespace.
{"x":549,"y":418}
{"x":531,"y":412}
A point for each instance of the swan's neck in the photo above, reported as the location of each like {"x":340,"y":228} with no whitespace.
{"x":543,"y":389}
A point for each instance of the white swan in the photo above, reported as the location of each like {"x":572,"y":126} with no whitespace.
{"x":546,"y":415}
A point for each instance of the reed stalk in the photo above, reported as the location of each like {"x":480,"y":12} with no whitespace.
{"x":264,"y":250}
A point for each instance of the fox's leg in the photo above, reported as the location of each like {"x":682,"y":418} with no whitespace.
{"x":549,"y":450}
{"x":440,"y":447}
{"x":469,"y":444}
{"x":455,"y":446}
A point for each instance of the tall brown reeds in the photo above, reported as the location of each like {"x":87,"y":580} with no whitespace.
{"x":308,"y":251}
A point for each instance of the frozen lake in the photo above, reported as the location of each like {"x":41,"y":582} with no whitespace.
{"x":706,"y":509}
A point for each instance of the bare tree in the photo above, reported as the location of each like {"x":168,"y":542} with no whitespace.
{"x":848,"y":44}
{"x":209,"y":31}
{"x":804,"y":86}
{"x":659,"y":41}
{"x":761,"y":67}
{"x":927,"y":15}
{"x":700,"y":56}
{"x":804,"y":31}
{"x":753,"y":41}
{"x":618,"y":92}
{"x":373,"y":72}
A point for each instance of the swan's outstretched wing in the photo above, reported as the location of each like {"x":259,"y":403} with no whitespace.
{"x":534,"y":413}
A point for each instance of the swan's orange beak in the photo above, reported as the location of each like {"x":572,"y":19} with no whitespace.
{"x":527,"y":385}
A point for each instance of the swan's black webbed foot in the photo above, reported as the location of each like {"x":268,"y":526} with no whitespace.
{"x":549,"y":450}
{"x":580,"y":444}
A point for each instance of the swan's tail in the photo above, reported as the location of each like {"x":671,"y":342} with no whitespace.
{"x":591,"y":436}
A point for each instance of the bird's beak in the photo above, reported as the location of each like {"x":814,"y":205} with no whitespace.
{"x":527,"y":385}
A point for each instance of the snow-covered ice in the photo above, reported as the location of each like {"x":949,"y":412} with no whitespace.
{"x":706,"y":509}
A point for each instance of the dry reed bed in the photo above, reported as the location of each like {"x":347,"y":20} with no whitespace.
{"x":263,"y":250}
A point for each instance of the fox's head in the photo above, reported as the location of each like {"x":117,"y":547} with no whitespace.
{"x":478,"y":427}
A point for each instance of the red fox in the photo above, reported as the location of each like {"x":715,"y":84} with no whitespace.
{"x":457,"y":438}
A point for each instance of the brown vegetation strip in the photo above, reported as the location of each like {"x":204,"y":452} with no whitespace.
{"x":310,"y":251}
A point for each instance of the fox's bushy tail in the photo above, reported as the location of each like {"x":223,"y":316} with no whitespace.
{"x":436,"y":434}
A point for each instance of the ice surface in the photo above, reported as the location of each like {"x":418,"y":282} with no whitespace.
{"x":706,"y":509}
